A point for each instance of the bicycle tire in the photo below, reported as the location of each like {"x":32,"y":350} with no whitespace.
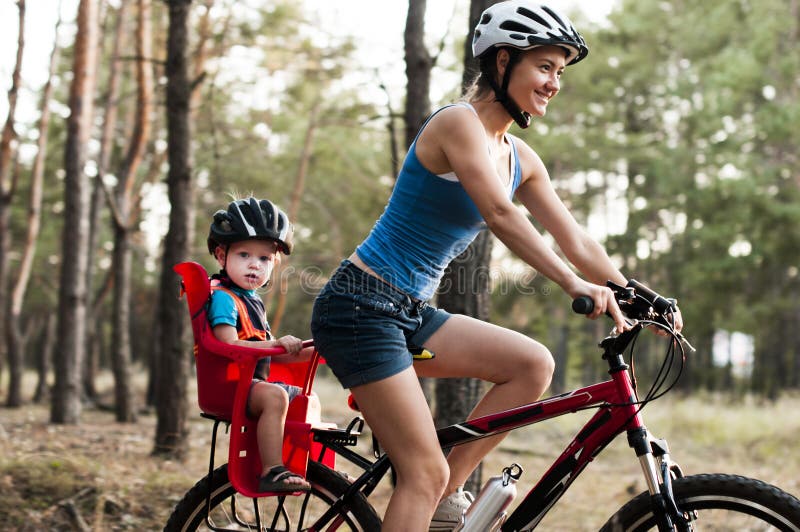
{"x":297,"y":511}
{"x":719,"y":502}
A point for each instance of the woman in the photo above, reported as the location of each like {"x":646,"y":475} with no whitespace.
{"x":459,"y":176}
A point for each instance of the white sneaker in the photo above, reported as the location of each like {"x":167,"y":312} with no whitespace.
{"x":450,"y":511}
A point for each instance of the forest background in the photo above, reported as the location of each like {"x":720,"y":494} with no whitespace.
{"x":673,"y":142}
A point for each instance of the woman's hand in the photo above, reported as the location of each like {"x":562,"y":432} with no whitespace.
{"x":604,"y":301}
{"x":677,"y":319}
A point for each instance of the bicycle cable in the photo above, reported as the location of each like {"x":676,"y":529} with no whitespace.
{"x":655,"y":392}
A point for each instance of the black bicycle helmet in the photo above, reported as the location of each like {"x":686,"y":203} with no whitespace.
{"x":522,"y":25}
{"x":248,"y":219}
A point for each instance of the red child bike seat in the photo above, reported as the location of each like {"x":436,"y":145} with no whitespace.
{"x":224,"y":375}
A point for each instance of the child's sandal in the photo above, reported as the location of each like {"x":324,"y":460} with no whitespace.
{"x":275,"y":481}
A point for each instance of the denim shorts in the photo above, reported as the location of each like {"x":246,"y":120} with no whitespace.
{"x":364,"y":327}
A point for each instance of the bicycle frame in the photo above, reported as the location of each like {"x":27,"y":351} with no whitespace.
{"x":618,"y":412}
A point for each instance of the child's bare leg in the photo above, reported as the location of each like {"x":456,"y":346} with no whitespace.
{"x":270,"y":403}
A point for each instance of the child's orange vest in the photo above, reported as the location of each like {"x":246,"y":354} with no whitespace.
{"x":247,"y":331}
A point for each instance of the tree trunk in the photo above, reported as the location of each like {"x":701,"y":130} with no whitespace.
{"x":107,"y":135}
{"x":123,"y":219}
{"x":173,"y":359}
{"x":282,"y":282}
{"x":200,"y":55}
{"x":560,"y":332}
{"x":15,"y":351}
{"x":72,"y":300}
{"x":8,"y":185}
{"x":44,"y":354}
{"x":418,"y":70}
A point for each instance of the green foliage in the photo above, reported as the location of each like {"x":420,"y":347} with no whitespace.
{"x":251,"y":132}
{"x":681,"y":123}
{"x":691,"y":108}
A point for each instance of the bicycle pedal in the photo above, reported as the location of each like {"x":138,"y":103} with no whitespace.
{"x":336,"y":437}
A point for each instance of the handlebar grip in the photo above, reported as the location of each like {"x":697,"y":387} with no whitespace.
{"x":583,"y":305}
{"x":660,"y":304}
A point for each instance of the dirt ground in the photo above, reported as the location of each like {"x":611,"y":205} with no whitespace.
{"x":100,"y":475}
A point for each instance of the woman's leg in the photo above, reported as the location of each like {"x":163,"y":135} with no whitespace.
{"x":519,"y":367}
{"x":396,"y":411}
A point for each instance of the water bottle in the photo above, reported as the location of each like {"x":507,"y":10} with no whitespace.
{"x":488,"y":511}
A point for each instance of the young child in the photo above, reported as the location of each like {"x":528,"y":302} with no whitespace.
{"x":247,"y":241}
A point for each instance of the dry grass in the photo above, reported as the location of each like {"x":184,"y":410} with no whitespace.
{"x":102,"y":473}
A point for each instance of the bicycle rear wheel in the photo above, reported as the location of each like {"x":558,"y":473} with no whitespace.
{"x":232,"y":511}
{"x":717,"y":503}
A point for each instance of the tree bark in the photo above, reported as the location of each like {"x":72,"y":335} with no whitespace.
{"x":123,"y":219}
{"x":107,"y":136}
{"x":418,"y":70}
{"x":44,"y":354}
{"x":200,"y":55}
{"x":282,"y":284}
{"x":8,"y":185}
{"x":72,"y":300}
{"x":15,"y":344}
{"x":173,"y":359}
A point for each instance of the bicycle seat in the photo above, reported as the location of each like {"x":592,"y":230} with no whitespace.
{"x":224,"y":375}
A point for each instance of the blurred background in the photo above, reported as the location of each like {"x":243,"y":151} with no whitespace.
{"x":129,"y":122}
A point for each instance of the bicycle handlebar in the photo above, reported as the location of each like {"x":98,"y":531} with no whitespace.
{"x":627,"y":296}
{"x":583,"y":305}
{"x":661,"y":304}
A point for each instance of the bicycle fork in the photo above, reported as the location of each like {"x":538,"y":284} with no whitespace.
{"x":659,"y":470}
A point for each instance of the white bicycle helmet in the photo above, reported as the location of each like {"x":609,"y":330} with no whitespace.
{"x":524,"y":25}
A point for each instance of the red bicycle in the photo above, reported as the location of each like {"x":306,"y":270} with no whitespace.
{"x":672,"y":501}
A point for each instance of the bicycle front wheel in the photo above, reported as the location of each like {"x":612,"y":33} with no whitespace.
{"x":716,"y":503}
{"x":232,"y":511}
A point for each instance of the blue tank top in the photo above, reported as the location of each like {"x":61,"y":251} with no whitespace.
{"x":428,"y":221}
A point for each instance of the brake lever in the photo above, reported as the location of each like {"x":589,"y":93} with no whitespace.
{"x":686,"y":343}
{"x":623,"y":293}
{"x":627,"y":301}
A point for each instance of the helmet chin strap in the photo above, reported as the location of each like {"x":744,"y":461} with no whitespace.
{"x":522,"y":118}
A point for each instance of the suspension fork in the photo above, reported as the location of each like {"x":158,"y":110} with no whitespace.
{"x":658,"y":469}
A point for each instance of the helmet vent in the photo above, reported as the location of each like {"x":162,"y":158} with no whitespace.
{"x":486,"y":18}
{"x":511,"y":25}
{"x":517,"y":36}
{"x":531,"y":15}
{"x":555,"y":16}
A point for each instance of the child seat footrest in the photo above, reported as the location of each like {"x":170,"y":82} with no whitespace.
{"x":346,"y":437}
